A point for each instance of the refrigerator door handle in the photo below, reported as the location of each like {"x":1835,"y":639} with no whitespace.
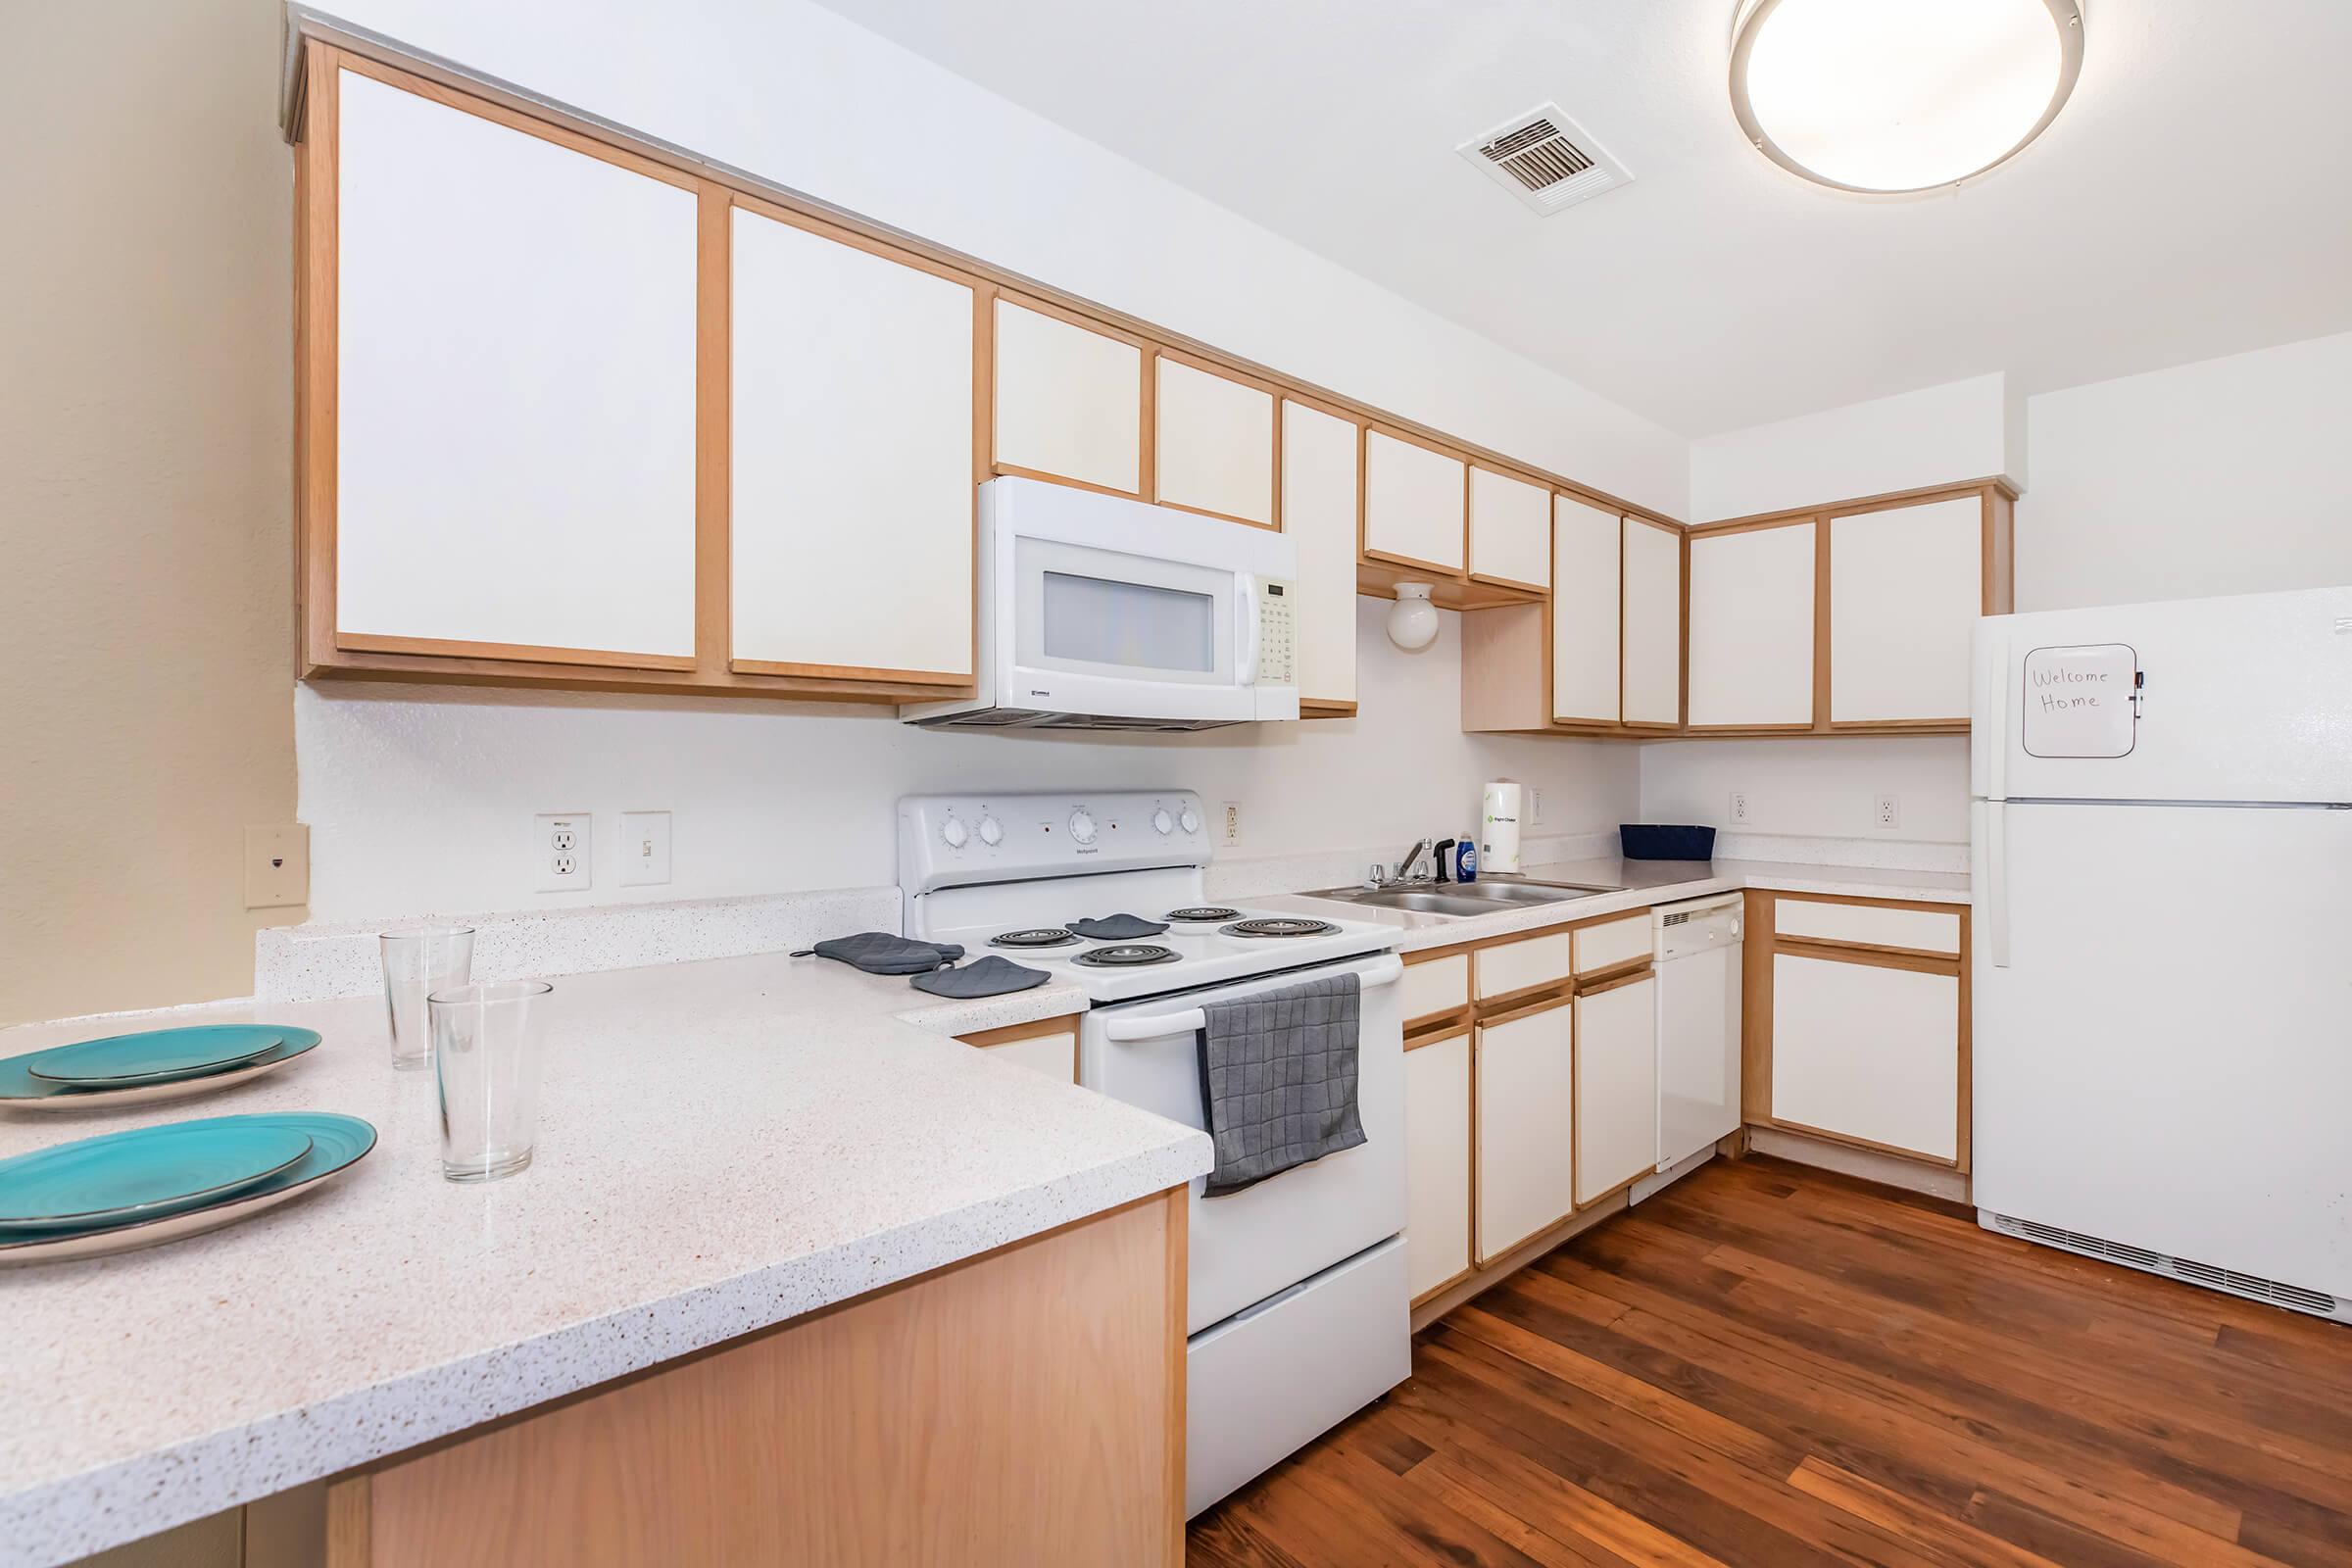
{"x":1997,"y":882}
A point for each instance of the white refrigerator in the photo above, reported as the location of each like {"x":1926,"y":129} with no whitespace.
{"x":2162,"y":880}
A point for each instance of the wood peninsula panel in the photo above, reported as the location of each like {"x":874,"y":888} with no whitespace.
{"x":1026,"y":1406}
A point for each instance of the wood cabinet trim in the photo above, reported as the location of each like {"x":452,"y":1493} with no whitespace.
{"x":1917,"y":960}
{"x":1062,"y":1023}
{"x":1996,"y":483}
{"x":1454,"y":1029}
{"x":1632,"y":972}
{"x":1917,"y":1156}
{"x":1547,"y":1000}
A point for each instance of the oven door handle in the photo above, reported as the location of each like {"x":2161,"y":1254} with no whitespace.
{"x":1160,"y":1025}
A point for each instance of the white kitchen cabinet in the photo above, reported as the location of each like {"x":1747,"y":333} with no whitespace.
{"x":514,"y":395}
{"x":1510,"y":530}
{"x":1436,"y":1164}
{"x":1432,"y":988}
{"x":1215,"y":447}
{"x":1616,"y":1085}
{"x":1413,"y":499}
{"x":1867,"y":1052}
{"x":1069,"y":400}
{"x":1751,"y":627}
{"x":1654,"y":623}
{"x":1587,"y":599}
{"x":851,"y":460}
{"x":1526,"y":1073}
{"x":1319,"y":481}
{"x":1905,"y":590}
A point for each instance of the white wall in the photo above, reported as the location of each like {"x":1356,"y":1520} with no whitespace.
{"x":1815,"y":787}
{"x":2222,"y":477}
{"x":422,"y":801}
{"x":1936,"y":435}
{"x":800,"y":96}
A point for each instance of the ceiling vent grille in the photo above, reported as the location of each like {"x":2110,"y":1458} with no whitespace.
{"x":1545,"y":160}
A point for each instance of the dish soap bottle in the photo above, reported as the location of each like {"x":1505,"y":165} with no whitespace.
{"x":1465,"y":860}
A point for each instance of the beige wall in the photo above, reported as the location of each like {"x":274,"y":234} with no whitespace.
{"x":145,"y":459}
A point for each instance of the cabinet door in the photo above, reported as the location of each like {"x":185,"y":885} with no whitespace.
{"x":1751,"y":627}
{"x":1214,"y":448}
{"x":1654,"y":623}
{"x":1616,"y":1086}
{"x":1906,"y":586}
{"x":1586,"y":600}
{"x":1526,"y":1073}
{"x":851,"y":460}
{"x":1510,"y":537}
{"x":1413,"y":501}
{"x":514,"y":423}
{"x":1436,"y":1164}
{"x":1867,"y":1052}
{"x":1319,"y":510}
{"x":1069,"y":402}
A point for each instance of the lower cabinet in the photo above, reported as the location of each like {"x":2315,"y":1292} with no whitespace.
{"x":1525,"y":1069}
{"x":1436,"y":1162}
{"x":1869,"y":1052}
{"x":1616,"y":1085}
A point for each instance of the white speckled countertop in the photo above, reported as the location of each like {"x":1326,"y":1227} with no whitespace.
{"x":723,"y":1146}
{"x":1642,"y":884}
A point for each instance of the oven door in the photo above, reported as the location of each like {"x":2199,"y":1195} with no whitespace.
{"x":1256,"y":1242}
{"x":1105,"y":631}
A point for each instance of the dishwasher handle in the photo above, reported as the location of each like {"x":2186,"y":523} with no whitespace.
{"x":1160,"y":1025}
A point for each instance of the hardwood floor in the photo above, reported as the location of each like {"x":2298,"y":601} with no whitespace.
{"x":1770,"y":1364}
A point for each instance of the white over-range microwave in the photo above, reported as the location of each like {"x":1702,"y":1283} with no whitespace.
{"x":1097,"y":611}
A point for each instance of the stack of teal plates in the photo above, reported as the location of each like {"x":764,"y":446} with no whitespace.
{"x":157,"y":1064}
{"x":157,"y":1184}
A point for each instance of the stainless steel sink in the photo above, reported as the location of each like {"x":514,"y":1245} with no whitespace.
{"x":1463,"y":899}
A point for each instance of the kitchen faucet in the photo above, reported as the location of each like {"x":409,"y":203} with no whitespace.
{"x":1413,"y":856}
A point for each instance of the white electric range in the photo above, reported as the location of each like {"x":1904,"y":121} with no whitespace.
{"x":1299,"y":1308}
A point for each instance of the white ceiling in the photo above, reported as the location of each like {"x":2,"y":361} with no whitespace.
{"x":2194,"y":198}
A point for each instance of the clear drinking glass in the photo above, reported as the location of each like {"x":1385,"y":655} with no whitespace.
{"x":487,"y":1057}
{"x":418,"y":963}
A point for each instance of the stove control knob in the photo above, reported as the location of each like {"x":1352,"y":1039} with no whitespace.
{"x":1082,"y":825}
{"x":992,"y":832}
{"x":954,"y":833}
{"x":1162,"y":823}
{"x":1191,"y":820}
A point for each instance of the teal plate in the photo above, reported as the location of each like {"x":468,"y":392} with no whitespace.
{"x":121,"y":1178}
{"x":22,"y":1089}
{"x":337,"y":1143}
{"x":155,"y":1055}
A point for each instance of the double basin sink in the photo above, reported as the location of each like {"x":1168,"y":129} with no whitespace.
{"x":1463,"y":897}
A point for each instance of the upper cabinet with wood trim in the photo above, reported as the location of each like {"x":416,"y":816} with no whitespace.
{"x":1906,"y":586}
{"x":1321,"y":461}
{"x":1510,"y":530}
{"x":852,"y":462}
{"x":1652,"y":673}
{"x":1588,"y":604}
{"x":1214,"y":452}
{"x":1070,"y":401}
{"x":1751,"y":627}
{"x":500,"y":409}
{"x":1413,"y":503}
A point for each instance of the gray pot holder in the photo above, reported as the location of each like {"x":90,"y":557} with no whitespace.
{"x":1118,"y":928}
{"x":991,"y":976}
{"x":880,"y":953}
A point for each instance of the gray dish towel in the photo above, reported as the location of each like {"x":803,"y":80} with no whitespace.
{"x":1278,"y":1080}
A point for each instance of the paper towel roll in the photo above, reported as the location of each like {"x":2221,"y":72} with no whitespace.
{"x":1498,"y":827}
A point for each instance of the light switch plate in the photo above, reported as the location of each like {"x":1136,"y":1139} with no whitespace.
{"x":277,"y":866}
{"x":562,"y":851}
{"x":644,"y":848}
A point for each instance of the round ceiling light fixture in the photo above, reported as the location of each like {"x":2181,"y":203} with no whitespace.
{"x":1412,"y":619}
{"x":1889,"y":96}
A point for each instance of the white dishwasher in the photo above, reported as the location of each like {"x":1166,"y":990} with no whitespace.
{"x":1697,"y":950}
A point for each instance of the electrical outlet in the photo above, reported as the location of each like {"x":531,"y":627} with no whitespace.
{"x":1232,"y":818}
{"x":561,"y":849}
{"x":644,"y":848}
{"x":1738,"y":806}
{"x":1535,"y":807}
{"x":1887,"y":812}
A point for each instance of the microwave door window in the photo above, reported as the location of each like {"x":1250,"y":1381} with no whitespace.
{"x":1131,"y":626}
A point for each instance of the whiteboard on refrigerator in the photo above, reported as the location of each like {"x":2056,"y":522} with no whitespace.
{"x":2078,"y":700}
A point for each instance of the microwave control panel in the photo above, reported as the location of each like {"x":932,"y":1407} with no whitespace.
{"x":1277,"y":633}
